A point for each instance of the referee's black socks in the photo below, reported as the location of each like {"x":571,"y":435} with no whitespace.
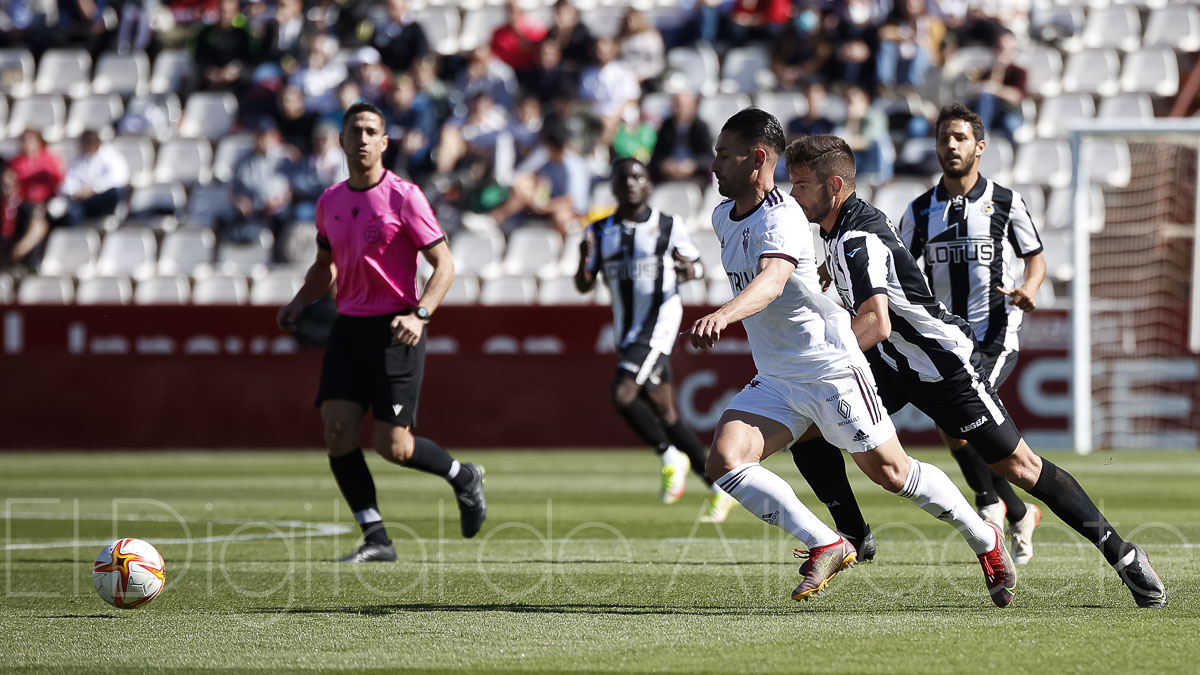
{"x":823,"y":467}
{"x":1067,"y":499}
{"x":354,"y":480}
{"x":430,"y":457}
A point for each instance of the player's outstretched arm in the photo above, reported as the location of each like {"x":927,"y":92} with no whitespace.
{"x":317,"y":280}
{"x":585,"y":276}
{"x":1023,"y":296}
{"x":768,"y":284}
{"x":872,"y":324}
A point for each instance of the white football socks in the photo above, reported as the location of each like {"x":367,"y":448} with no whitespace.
{"x":770,"y":498}
{"x":932,"y":490}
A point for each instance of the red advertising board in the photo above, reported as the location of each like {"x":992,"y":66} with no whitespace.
{"x":225,"y":377}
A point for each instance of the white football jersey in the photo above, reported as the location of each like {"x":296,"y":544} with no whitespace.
{"x":802,"y":334}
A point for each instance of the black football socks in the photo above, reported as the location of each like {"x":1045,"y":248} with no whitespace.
{"x":1004,"y":490}
{"x":1067,"y":499}
{"x":354,"y":479}
{"x":685,"y":439}
{"x":430,"y":457}
{"x":643,"y":418}
{"x":823,"y":467}
{"x":978,"y":475}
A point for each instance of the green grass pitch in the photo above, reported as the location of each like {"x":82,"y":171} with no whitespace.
{"x":577,"y":569}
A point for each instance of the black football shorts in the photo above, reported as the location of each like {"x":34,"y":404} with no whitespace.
{"x":647,"y":366}
{"x":363,"y":364}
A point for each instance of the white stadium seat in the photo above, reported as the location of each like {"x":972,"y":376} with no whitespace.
{"x":656,"y":106}
{"x":64,"y":71}
{"x":603,"y":21}
{"x":173,"y":72}
{"x":1093,"y":71}
{"x":16,"y":71}
{"x":477,"y":253}
{"x":209,"y":114}
{"x":158,"y":205}
{"x":128,"y":252}
{"x":1174,"y":26}
{"x":1059,"y":113}
{"x":208,"y":204}
{"x":298,"y":243}
{"x":533,"y":250}
{"x":1043,"y":69}
{"x":124,"y":74}
{"x":162,"y":291}
{"x":247,"y":259}
{"x":747,"y":70}
{"x":154,"y":115}
{"x":893,"y":198}
{"x":45,"y":290}
{"x":1108,"y":161}
{"x":1126,"y":107}
{"x":104,"y":291}
{"x":680,"y":198}
{"x":98,"y":112}
{"x":1151,"y":71}
{"x":442,"y":26}
{"x":187,"y":252}
{"x":186,"y":160}
{"x":478,"y":26}
{"x":138,"y":152}
{"x":230,"y":149}
{"x":710,"y":253}
{"x":997,"y":160}
{"x":464,"y":291}
{"x":275,"y":289}
{"x":1113,"y":28}
{"x":562,"y":291}
{"x":71,"y":252}
{"x":715,"y":110}
{"x":784,"y":105}
{"x":1043,"y":162}
{"x":693,"y":293}
{"x":1035,"y":202}
{"x":7,"y":297}
{"x":1060,"y":211}
{"x":700,"y":65}
{"x":509,"y":290}
{"x":44,"y":112}
{"x":719,"y":292}
{"x":221,"y":290}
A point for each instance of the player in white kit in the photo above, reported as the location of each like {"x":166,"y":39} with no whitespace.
{"x":812,"y":378}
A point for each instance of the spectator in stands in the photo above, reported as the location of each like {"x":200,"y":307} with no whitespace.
{"x":642,"y":47}
{"x":96,"y":181}
{"x":134,"y":30}
{"x":515,"y":42}
{"x":866,"y":132}
{"x":814,"y":121}
{"x":81,"y":22}
{"x":552,"y":77}
{"x":552,"y":185}
{"x":401,"y":41}
{"x":38,"y":173}
{"x":526,"y":125}
{"x":800,"y":51}
{"x":424,"y":74}
{"x":371,"y":77}
{"x":261,"y":190}
{"x":411,"y":118}
{"x":684,"y":147}
{"x":295,"y":124}
{"x":907,"y":42}
{"x":1004,"y":90}
{"x":319,"y":77}
{"x":853,"y":32}
{"x":609,"y":87}
{"x":572,"y":36}
{"x":635,"y":136}
{"x":283,"y":35}
{"x":487,"y":74}
{"x":10,"y":234}
{"x":472,"y":138}
{"x":24,"y":23}
{"x":311,"y":173}
{"x":757,"y":20}
{"x":347,"y":94}
{"x":222,"y":50}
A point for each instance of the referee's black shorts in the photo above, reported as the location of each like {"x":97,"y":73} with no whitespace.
{"x":644,"y":364}
{"x":962,"y":405}
{"x":362,"y":364}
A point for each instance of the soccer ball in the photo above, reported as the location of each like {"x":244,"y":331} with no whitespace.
{"x":129,"y":573}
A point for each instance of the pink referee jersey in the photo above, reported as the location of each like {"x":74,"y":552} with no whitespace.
{"x":375,"y":235}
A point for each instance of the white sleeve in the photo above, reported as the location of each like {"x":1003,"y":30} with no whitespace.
{"x":1021,"y":231}
{"x":785,"y":233}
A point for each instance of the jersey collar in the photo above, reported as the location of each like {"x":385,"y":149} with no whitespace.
{"x":943,"y":195}
{"x":851,"y":204}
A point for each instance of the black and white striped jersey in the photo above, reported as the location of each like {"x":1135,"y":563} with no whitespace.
{"x":866,"y":258}
{"x":801,"y":334}
{"x":967,"y":246}
{"x":637,"y":262}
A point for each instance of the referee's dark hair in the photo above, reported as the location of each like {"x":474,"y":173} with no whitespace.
{"x":757,"y":127}
{"x":958,"y":111}
{"x":827,"y":155}
{"x":361,"y":107}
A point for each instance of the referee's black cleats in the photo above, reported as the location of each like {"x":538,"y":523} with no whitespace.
{"x":472,"y":507}
{"x":1148,"y":590}
{"x":370,"y":552}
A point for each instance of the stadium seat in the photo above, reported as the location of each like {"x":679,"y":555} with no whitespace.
{"x":656,"y":106}
{"x":130,"y":251}
{"x":477,"y":253}
{"x":679,"y":198}
{"x":184,"y":160}
{"x":3,"y":116}
{"x":1092,"y":71}
{"x":1063,"y":24}
{"x":1060,"y":211}
{"x":1043,"y":69}
{"x":16,"y":71}
{"x":162,"y":291}
{"x":533,"y":250}
{"x":298,"y":243}
{"x":187,"y":252}
{"x":1174,"y":26}
{"x":1035,"y":202}
{"x":1059,"y":113}
{"x":1151,"y":71}
{"x":478,"y":26}
{"x":1113,"y":28}
{"x":1043,"y":162}
{"x":464,"y":291}
{"x":104,"y":291}
{"x":561,"y":291}
{"x":1108,"y":161}
{"x":124,"y":74}
{"x":158,"y":205}
{"x":442,"y":27}
{"x":893,"y":198}
{"x":71,"y":252}
{"x":46,"y":290}
{"x":208,"y":115}
{"x":603,"y":21}
{"x":246,"y":259}
{"x":602,"y":200}
{"x":918,"y":151}
{"x":67,"y":150}
{"x":509,"y":290}
{"x":276,"y":289}
{"x":45,"y":112}
{"x":1144,"y":4}
{"x":154,"y":115}
{"x":1056,"y":248}
{"x":1126,"y":107}
{"x":746,"y":70}
{"x":701,"y":66}
{"x":64,"y":71}
{"x":719,"y":292}
{"x":693,"y":293}
{"x":975,"y":60}
{"x":229,"y":150}
{"x":98,"y":112}
{"x":173,"y":72}
{"x":221,"y":290}
{"x":9,"y":148}
{"x":7,"y":297}
{"x":710,"y":253}
{"x":715,"y":110}
{"x":138,"y":152}
{"x":207,"y":205}
{"x":997,"y":160}
{"x":784,"y":105}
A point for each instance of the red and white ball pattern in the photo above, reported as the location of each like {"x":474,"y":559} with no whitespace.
{"x":129,"y":573}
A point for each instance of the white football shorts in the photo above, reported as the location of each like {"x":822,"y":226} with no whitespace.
{"x":844,"y":407}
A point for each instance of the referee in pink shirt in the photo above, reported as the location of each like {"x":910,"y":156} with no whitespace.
{"x":369,"y":231}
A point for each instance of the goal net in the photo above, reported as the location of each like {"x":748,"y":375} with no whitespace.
{"x":1135,"y":293}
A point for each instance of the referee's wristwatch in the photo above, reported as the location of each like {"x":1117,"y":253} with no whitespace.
{"x":422,"y":313}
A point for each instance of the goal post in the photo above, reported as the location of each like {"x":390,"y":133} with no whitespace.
{"x":1135,"y":285}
